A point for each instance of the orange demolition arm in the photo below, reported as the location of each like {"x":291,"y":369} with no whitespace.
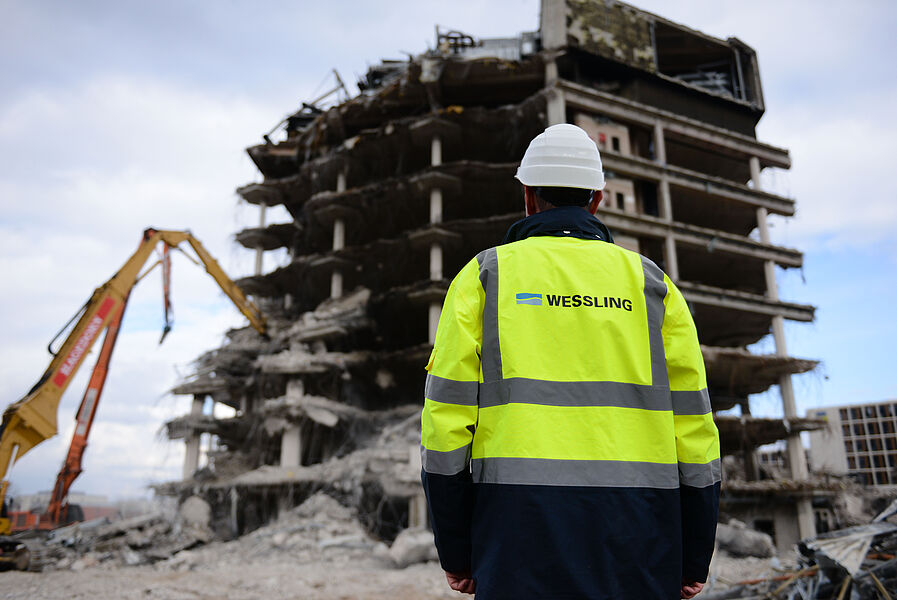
{"x":71,"y":468}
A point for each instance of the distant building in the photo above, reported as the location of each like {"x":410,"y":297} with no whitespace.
{"x":860,"y":440}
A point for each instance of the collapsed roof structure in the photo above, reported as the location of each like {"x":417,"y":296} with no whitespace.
{"x":392,"y":191}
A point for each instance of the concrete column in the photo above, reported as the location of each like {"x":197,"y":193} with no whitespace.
{"x":552,"y":24}
{"x":436,"y":205}
{"x":754,"y":163}
{"x":671,"y":259}
{"x":417,"y":504}
{"x":339,"y":234}
{"x":435,"y":311}
{"x":797,"y":460}
{"x":211,"y":438}
{"x":556,"y":108}
{"x":336,"y":284}
{"x":191,"y":444}
{"x":769,"y":274}
{"x":262,"y":209}
{"x":417,"y":510}
{"x":664,"y":200}
{"x":665,"y":204}
{"x":551,"y":72}
{"x":435,"y":249}
{"x":435,"y":262}
{"x":553,"y":28}
{"x":339,"y":241}
{"x":295,"y":388}
{"x":660,"y":146}
{"x":436,"y":151}
{"x":769,"y":267}
{"x":665,"y":208}
{"x":234,"y":512}
{"x":763,"y":224}
{"x":259,"y":251}
{"x":290,"y":447}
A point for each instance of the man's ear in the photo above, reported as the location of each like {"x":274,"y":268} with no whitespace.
{"x":596,"y":200}
{"x":529,"y":201}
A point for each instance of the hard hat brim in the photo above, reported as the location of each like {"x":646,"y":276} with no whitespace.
{"x":560,"y":176}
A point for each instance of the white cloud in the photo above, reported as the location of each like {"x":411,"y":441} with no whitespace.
{"x":843,"y":174}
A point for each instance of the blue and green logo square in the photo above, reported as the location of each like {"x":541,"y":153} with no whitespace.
{"x":529,"y":298}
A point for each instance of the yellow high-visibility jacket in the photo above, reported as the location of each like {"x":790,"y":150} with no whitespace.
{"x":567,"y":426}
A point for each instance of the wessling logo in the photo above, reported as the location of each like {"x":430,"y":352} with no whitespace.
{"x":575,"y":301}
{"x":526,"y":298}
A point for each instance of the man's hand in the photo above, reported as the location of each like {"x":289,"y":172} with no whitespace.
{"x":690,"y":589}
{"x":462,"y":582}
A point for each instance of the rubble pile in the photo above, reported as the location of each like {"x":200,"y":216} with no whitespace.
{"x":136,"y":541}
{"x":320,"y":530}
{"x":737,"y":540}
{"x":857,"y":562}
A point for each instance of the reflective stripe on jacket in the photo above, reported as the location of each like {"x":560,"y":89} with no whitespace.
{"x":566,"y":402}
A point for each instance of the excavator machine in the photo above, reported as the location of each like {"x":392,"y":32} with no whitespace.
{"x":31,"y":420}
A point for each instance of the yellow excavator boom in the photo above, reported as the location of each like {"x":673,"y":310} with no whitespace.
{"x":31,"y":420}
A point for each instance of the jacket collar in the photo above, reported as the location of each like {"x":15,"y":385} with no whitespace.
{"x":562,"y":221}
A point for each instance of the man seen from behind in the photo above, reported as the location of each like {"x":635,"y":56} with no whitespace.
{"x":568,"y":444}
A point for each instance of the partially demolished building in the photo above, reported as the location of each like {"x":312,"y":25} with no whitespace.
{"x":392,"y":191}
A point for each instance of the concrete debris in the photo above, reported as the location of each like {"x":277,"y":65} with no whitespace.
{"x":89,"y":560}
{"x":71,"y":534}
{"x":847,"y":548}
{"x":134,"y":541}
{"x":888,"y":512}
{"x":413,"y":546}
{"x":299,"y":360}
{"x":317,"y":408}
{"x":320,"y":530}
{"x":740,"y":373}
{"x":195,"y":512}
{"x":857,"y":563}
{"x":854,"y":506}
{"x":736,"y":539}
{"x":387,"y":461}
{"x":737,"y":433}
{"x":333,"y":318}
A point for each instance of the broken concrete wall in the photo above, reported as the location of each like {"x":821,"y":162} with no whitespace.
{"x":612,"y":30}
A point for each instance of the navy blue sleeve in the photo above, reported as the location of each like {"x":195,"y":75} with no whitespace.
{"x":450,"y":501}
{"x":700,"y":511}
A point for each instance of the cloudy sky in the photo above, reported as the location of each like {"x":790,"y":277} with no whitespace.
{"x":115,"y":116}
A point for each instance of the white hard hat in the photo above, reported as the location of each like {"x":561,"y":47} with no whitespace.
{"x":562,"y":156}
